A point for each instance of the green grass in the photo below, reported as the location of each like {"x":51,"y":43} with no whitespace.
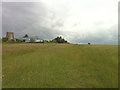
{"x":59,"y":66}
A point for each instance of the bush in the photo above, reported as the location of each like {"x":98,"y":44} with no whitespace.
{"x":4,"y":39}
{"x":88,"y":43}
{"x":53,"y":41}
{"x":18,"y":40}
{"x":45,"y":41}
{"x":11,"y":41}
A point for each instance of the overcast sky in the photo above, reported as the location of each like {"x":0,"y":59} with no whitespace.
{"x":78,"y":21}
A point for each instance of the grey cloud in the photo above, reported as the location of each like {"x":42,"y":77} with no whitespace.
{"x":36,"y":19}
{"x":22,"y":18}
{"x":102,"y":36}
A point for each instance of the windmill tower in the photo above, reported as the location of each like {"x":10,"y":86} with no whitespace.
{"x":10,"y":35}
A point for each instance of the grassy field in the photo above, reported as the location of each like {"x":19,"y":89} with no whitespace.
{"x":59,"y":66}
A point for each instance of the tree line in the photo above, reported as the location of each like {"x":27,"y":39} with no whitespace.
{"x":58,"y":39}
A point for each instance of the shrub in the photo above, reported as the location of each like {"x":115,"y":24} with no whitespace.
{"x":88,"y":43}
{"x":45,"y":41}
{"x":18,"y":40}
{"x":4,"y":39}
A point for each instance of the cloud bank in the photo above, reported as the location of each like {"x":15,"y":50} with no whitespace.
{"x":78,"y":21}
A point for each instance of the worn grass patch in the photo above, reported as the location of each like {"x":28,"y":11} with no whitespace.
{"x":60,"y":66}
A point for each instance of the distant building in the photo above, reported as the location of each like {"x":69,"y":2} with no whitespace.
{"x":38,"y":40}
{"x":29,"y":39}
{"x":10,"y":35}
{"x":25,"y":39}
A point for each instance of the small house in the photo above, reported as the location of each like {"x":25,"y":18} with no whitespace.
{"x":25,"y":39}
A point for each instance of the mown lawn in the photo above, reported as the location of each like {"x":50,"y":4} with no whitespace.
{"x":59,"y":66}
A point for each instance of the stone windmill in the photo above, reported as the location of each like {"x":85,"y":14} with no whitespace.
{"x":10,"y":35}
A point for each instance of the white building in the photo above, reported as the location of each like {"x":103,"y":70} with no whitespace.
{"x":38,"y":40}
{"x":25,"y":39}
{"x":29,"y":39}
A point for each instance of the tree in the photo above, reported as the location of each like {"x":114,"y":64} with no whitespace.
{"x":26,"y":36}
{"x":53,"y":41}
{"x":32,"y":39}
{"x":36,"y":37}
{"x":88,"y":43}
{"x":60,"y":40}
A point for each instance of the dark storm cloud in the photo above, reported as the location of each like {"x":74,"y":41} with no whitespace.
{"x":26,"y":18}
